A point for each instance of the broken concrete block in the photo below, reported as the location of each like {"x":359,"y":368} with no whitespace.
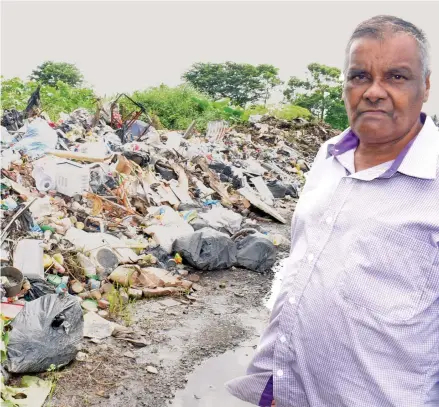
{"x":160,"y":291}
{"x":186,"y":284}
{"x":135,"y":293}
{"x":124,"y":275}
{"x":163,"y":278}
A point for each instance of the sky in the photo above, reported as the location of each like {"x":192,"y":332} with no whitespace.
{"x":121,"y":46}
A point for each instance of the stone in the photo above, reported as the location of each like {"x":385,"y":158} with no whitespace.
{"x":104,"y":313}
{"x":129,"y":354}
{"x":103,"y":304}
{"x":106,"y":288}
{"x":152,"y":369}
{"x":135,"y":293}
{"x":81,"y":357}
{"x":124,"y":296}
{"x":195,"y":278}
{"x":169,"y":302}
{"x":183,"y":272}
{"x":96,"y":295}
{"x":162,"y":277}
{"x":186,"y":284}
{"x":159,"y":291}
{"x":89,"y":305}
{"x":124,"y":275}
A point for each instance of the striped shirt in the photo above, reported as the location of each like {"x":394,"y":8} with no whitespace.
{"x":356,"y":321}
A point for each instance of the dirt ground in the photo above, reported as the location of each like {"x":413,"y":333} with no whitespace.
{"x":228,"y":309}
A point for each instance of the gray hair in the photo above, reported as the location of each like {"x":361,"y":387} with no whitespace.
{"x":379,"y":26}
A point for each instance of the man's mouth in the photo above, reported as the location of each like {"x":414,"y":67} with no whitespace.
{"x":374,"y":112}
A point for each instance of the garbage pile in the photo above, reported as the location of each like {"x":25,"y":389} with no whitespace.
{"x":94,"y":207}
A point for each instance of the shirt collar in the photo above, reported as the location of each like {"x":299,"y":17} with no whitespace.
{"x":419,"y":158}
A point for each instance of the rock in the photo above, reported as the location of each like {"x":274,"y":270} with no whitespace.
{"x":96,"y":295}
{"x":104,"y":313}
{"x":77,"y":287}
{"x":124,"y":296}
{"x":222,"y":285}
{"x":162,"y":277}
{"x":182,"y":272}
{"x":186,"y":284}
{"x":124,"y":275}
{"x":81,"y":357}
{"x":96,"y":326}
{"x":160,"y":291}
{"x":129,"y":354}
{"x":152,"y":369}
{"x":107,"y":287}
{"x":89,"y":305}
{"x":169,"y":302}
{"x":103,"y":304}
{"x":195,"y":278}
{"x":135,"y":293}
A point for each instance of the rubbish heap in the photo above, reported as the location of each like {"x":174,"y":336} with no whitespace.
{"x":95,"y":207}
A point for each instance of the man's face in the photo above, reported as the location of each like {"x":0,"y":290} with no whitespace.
{"x":384,"y":87}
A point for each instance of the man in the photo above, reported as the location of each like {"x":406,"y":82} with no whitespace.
{"x":356,"y":323}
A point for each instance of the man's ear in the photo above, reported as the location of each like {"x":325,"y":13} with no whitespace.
{"x":427,"y":88}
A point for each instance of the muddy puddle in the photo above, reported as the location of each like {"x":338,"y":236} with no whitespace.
{"x":205,"y":386}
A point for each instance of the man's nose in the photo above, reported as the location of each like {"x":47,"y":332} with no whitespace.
{"x":375,"y":92}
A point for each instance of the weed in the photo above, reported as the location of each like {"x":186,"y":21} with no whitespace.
{"x":119,"y":308}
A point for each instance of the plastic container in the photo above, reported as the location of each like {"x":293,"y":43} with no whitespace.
{"x":28,"y":257}
{"x":15,"y":278}
{"x":43,"y":181}
{"x":72,"y":178}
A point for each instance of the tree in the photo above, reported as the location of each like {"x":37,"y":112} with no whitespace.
{"x":321,"y":93}
{"x":50,"y":73}
{"x":241,"y":83}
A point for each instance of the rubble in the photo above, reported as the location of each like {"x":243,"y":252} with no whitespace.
{"x":107,"y":214}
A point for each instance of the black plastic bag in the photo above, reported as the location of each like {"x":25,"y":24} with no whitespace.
{"x":255,"y":252}
{"x":38,"y":288}
{"x":46,"y":332}
{"x":207,"y":249}
{"x":280,"y":190}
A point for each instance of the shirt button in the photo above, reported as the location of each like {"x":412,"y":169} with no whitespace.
{"x":280,"y":373}
{"x":329,"y":220}
{"x":292,"y":300}
{"x":310,"y":257}
{"x":283,"y":339}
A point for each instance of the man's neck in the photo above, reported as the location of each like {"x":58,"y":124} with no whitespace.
{"x":369,"y":155}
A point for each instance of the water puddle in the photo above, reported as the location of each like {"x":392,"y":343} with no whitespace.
{"x":205,"y":387}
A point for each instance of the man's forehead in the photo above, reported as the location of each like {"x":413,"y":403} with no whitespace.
{"x":396,"y":49}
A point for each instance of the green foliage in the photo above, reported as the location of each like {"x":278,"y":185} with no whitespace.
{"x":62,"y":98}
{"x":241,"y":83}
{"x":291,"y":112}
{"x":177,"y":107}
{"x":321,"y":93}
{"x":286,"y":112}
{"x":50,"y":73}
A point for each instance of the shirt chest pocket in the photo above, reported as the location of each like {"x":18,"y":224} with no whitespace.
{"x":387,"y":272}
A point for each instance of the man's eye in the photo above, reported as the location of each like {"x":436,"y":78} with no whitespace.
{"x":398,"y":78}
{"x":358,"y":77}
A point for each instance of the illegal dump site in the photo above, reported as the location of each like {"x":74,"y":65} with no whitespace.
{"x":130,"y":254}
